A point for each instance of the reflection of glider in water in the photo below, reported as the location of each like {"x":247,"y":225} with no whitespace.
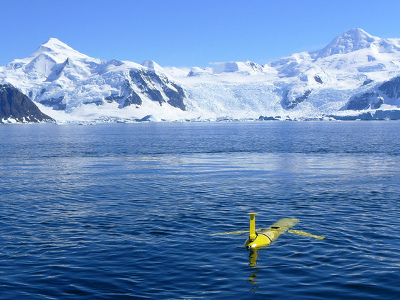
{"x":263,"y":237}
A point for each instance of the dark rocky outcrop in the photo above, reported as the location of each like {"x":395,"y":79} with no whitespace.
{"x":375,"y":96}
{"x":133,"y":98}
{"x":365,"y":101}
{"x":15,"y":105}
{"x":55,"y":103}
{"x":147,"y":82}
{"x":267,"y":118}
{"x":368,"y":116}
{"x":367,"y":81}
{"x":292,"y":103}
{"x":318,"y":79}
{"x":391,"y":88}
{"x":127,"y":97}
{"x":255,"y":66}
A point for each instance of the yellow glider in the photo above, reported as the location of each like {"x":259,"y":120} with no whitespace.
{"x":267,"y":236}
{"x":263,"y":237}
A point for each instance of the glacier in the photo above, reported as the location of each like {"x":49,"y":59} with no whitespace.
{"x":354,"y":74}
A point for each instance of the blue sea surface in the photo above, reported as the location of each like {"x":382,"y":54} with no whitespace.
{"x":128,"y":211}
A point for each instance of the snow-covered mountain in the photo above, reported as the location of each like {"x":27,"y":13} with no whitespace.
{"x":354,"y":72}
{"x":307,"y":84}
{"x":60,"y":77}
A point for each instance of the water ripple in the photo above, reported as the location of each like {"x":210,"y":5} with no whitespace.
{"x":117,"y":212}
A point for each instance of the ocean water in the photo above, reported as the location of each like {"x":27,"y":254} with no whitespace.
{"x":128,"y":211}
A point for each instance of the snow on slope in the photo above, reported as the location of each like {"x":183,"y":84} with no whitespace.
{"x":377,"y":96}
{"x":71,"y":85}
{"x":357,"y":39}
{"x":304,"y":84}
{"x":60,"y":77}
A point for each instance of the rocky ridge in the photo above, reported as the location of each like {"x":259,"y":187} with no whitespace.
{"x":17,"y":107}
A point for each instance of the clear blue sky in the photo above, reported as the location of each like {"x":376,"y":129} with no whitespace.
{"x":189,"y":32}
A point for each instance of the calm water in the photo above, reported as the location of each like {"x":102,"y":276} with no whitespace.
{"x":123,"y":211}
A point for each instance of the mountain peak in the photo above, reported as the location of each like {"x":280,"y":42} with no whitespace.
{"x":58,"y":50}
{"x":349,"y":41}
{"x":54,"y":44}
{"x":356,"y":32}
{"x":152,"y":65}
{"x":356,"y":37}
